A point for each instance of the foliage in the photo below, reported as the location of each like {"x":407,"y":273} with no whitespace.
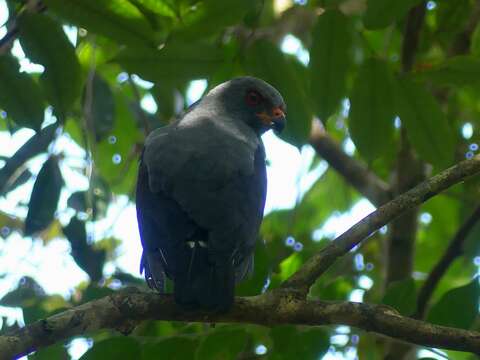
{"x":90,"y":91}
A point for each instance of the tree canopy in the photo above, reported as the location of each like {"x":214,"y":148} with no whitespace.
{"x":384,"y":92}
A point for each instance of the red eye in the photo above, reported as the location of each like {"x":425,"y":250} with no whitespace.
{"x":253,"y":98}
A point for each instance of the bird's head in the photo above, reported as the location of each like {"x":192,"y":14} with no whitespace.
{"x":252,"y":101}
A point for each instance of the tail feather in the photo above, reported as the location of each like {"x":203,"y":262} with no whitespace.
{"x":201,"y":283}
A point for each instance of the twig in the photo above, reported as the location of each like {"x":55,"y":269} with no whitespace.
{"x":353,"y":171}
{"x":124,"y":310}
{"x":320,"y":262}
{"x":454,"y":250}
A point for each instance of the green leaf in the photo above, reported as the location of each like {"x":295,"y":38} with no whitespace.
{"x":457,"y":71}
{"x":116,"y":19}
{"x":232,"y":343}
{"x":87,"y":258}
{"x":457,"y":308}
{"x":178,"y":347}
{"x":372,"y":109}
{"x":44,"y":198}
{"x":330,"y":60}
{"x":51,"y":352}
{"x":291,"y":342}
{"x":116,"y":156}
{"x":381,"y":13}
{"x":99,"y":102}
{"x":264,"y":60}
{"x":177,"y":60}
{"x":401,"y":295}
{"x":20,"y":95}
{"x":37,"y":144}
{"x":45,"y":42}
{"x":212,"y":16}
{"x":118,"y":347}
{"x":475,"y":41}
{"x":425,"y":122}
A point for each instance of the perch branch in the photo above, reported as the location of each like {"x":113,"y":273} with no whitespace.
{"x":320,"y":262}
{"x":125,"y":309}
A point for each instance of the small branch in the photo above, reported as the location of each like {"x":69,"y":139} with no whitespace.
{"x":454,"y":250}
{"x":320,"y":262}
{"x":354,"y":172}
{"x":125,"y":309}
{"x":412,"y":35}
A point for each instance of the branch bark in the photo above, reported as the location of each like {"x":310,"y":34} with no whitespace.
{"x":319,"y":263}
{"x":123,"y":310}
{"x":353,"y":171}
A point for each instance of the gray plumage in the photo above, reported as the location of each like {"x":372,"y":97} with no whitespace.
{"x":201,"y":193}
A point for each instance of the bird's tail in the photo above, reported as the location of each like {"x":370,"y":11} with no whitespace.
{"x":200,"y":283}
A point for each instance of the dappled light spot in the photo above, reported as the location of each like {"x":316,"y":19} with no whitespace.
{"x":122,"y":77}
{"x":293,"y":46}
{"x":469,"y":155}
{"x":117,"y":158}
{"x":431,"y":5}
{"x":359,"y":264}
{"x":425,"y":218}
{"x":467,"y":130}
{"x":365,"y":282}
{"x":112,"y":139}
{"x":298,"y":247}
{"x":261,"y":349}
{"x":289,"y":241}
{"x":473,"y":147}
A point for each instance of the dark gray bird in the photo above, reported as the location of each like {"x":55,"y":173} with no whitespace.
{"x":201,"y":193}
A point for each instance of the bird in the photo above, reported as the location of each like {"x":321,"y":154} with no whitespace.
{"x":201,"y":191}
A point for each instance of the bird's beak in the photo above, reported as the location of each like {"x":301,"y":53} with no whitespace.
{"x":276,"y":120}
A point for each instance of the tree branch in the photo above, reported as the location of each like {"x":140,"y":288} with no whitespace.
{"x":454,"y":250}
{"x":123,"y":310}
{"x":354,"y":172}
{"x":320,"y":262}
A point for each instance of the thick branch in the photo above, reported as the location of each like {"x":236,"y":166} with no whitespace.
{"x":319,"y":263}
{"x":125,"y":309}
{"x":454,"y":250}
{"x":354,"y":172}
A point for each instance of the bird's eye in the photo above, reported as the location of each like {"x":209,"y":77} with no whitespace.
{"x":253,"y":98}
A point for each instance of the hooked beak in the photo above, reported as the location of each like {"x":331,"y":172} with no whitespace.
{"x":275,"y":121}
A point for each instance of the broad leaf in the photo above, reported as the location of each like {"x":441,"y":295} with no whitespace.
{"x":20,"y":95}
{"x":177,"y":60}
{"x":372,"y":109}
{"x":290,"y":342}
{"x":45,"y":42}
{"x":401,"y":295}
{"x":457,"y":71}
{"x":232,"y":343}
{"x":263,"y":59}
{"x":119,"y":347}
{"x":381,"y":13}
{"x":44,"y":198}
{"x":87,"y":258}
{"x":99,"y":103}
{"x":37,"y":144}
{"x":425,"y":122}
{"x":175,"y":347}
{"x":116,"y":19}
{"x":464,"y":300}
{"x":330,"y":58}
